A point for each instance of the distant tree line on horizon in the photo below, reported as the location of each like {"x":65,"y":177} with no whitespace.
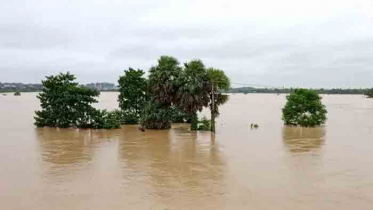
{"x":348,"y":91}
{"x":106,"y":86}
{"x":19,"y":87}
{"x":22,"y":87}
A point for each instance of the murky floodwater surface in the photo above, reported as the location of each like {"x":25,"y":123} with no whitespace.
{"x":273,"y":167}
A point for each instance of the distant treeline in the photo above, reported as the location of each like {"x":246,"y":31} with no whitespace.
{"x":104,"y":86}
{"x":246,"y":90}
{"x":21,"y":87}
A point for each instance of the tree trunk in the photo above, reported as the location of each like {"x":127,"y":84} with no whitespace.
{"x":213,"y":109}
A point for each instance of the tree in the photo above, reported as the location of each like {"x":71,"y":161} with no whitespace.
{"x":218,"y":81}
{"x":133,"y":93}
{"x":66,"y":104}
{"x":179,"y":116}
{"x":156,"y":116}
{"x":304,"y":108}
{"x":17,"y":93}
{"x":163,"y":80}
{"x":369,"y":93}
{"x":193,"y":92}
{"x":163,"y":87}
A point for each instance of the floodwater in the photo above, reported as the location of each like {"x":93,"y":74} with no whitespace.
{"x":272,"y":167}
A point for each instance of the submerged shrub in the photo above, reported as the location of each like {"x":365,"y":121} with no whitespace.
{"x":125,"y":117}
{"x":204,"y":124}
{"x":304,"y":108}
{"x":156,"y":116}
{"x":178,"y":116}
{"x":103,"y":119}
{"x":17,"y":93}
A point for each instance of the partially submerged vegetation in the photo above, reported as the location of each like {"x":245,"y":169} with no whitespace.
{"x":17,"y":93}
{"x":369,"y":93}
{"x":172,"y":93}
{"x":204,"y":124}
{"x":66,"y":104}
{"x":304,"y":108}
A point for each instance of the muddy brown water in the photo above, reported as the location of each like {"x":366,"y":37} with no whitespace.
{"x":273,"y":167}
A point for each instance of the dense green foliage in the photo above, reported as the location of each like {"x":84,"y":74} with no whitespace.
{"x":102,"y":119}
{"x":369,"y":93}
{"x":193,"y":91}
{"x":163,"y":80}
{"x":204,"y":124}
{"x":188,"y":89}
{"x":133,"y":94}
{"x":178,"y":116}
{"x":156,"y":116}
{"x":171,"y":94}
{"x":66,"y":104}
{"x":304,"y":108}
{"x":163,"y":86}
{"x":17,"y":93}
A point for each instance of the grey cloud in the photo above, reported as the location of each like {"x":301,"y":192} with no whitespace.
{"x":98,"y":40}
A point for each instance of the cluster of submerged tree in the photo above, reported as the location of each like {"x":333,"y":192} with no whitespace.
{"x":171,"y":93}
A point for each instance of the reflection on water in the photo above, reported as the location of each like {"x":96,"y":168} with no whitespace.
{"x":299,"y":139}
{"x":172,"y":165}
{"x":158,"y":166}
{"x":65,"y":146}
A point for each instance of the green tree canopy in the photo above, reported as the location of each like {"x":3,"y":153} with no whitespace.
{"x":218,"y":79}
{"x":66,"y":104}
{"x":164,"y":78}
{"x":156,"y":116}
{"x":163,"y":87}
{"x":304,"y":108}
{"x":193,"y":91}
{"x":133,"y":93}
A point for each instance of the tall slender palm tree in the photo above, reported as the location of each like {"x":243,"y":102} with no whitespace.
{"x":218,"y":82}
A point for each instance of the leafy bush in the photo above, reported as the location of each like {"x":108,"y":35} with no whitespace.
{"x":304,"y":108}
{"x":205,"y":124}
{"x":126,"y":117}
{"x":17,"y":93}
{"x":156,"y":116}
{"x":178,"y":116}
{"x":102,"y":119}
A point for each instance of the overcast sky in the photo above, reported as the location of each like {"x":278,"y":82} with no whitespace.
{"x":307,"y":43}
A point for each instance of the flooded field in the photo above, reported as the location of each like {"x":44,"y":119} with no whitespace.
{"x":270,"y":168}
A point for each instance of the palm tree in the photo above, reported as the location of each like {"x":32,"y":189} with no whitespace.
{"x":193,"y":92}
{"x":163,"y":87}
{"x":218,"y":81}
{"x":163,"y":79}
